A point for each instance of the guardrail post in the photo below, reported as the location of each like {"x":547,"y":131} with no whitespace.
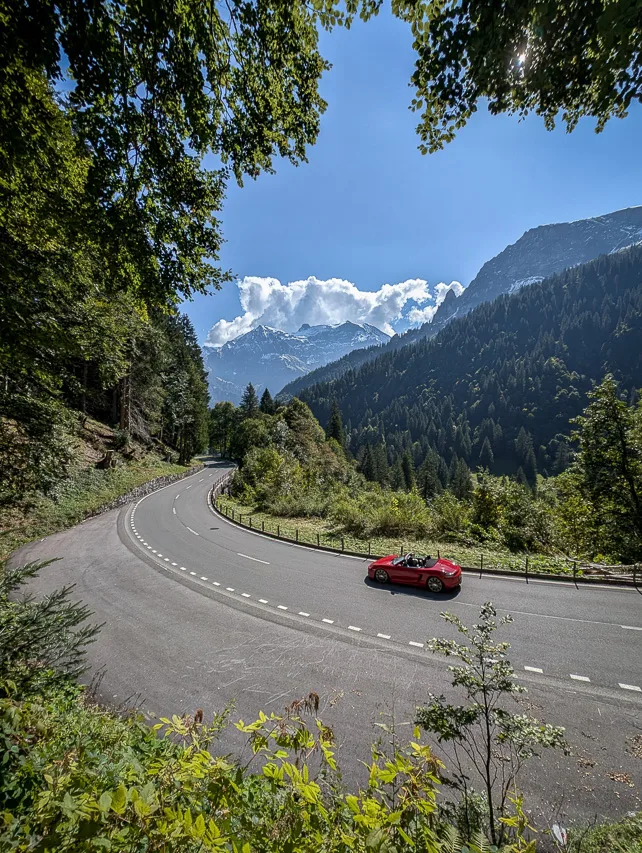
{"x":481,"y":563}
{"x":369,"y":549}
{"x":342,"y":544}
{"x":263,"y":526}
{"x":232,"y":515}
{"x":297,"y":533}
{"x":526,"y":569}
{"x":438,"y":554}
{"x":318,"y":540}
{"x":250,"y":522}
{"x":278,"y":530}
{"x":575,"y":572}
{"x":240,"y":518}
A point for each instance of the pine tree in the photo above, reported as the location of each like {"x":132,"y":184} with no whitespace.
{"x":368,"y":467}
{"x":526,"y":456}
{"x":486,"y":458}
{"x":428,"y":478}
{"x":249,"y":407}
{"x":380,"y":457}
{"x":520,"y":477}
{"x":267,"y":405}
{"x":334,"y":428}
{"x":462,"y":484}
{"x":408,"y":470}
{"x":397,"y":479}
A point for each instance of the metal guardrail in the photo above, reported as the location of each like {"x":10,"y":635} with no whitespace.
{"x":586,"y":574}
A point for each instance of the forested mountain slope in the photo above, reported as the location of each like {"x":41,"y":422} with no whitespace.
{"x":540,"y":252}
{"x":498,"y":387}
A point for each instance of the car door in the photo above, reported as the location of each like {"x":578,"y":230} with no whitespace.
{"x":409,"y":575}
{"x":397,"y":571}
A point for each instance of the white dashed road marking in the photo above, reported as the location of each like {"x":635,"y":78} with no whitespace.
{"x":329,"y":621}
{"x":384,"y":636}
{"x":534,"y":669}
{"x":418,"y":645}
{"x":174,"y":510}
{"x":353,"y":628}
{"x":303,"y":613}
{"x":246,"y":595}
{"x":192,"y":531}
{"x":193,"y":573}
{"x":631,"y":687}
{"x":263,"y":600}
{"x":580,"y":678}
{"x":203,"y":578}
{"x":229,"y":588}
{"x":281,"y":607}
{"x":256,"y":559}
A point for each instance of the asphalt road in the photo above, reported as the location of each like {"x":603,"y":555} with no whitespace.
{"x":200,"y":613}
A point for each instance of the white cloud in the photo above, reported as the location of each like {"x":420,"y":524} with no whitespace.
{"x":265,"y":301}
{"x":417,"y":316}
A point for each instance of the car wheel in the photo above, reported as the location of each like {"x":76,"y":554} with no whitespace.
{"x":381,"y":576}
{"x":434,"y":584}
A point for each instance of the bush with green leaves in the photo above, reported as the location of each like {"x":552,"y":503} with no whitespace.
{"x":42,"y":642}
{"x":485,"y":735}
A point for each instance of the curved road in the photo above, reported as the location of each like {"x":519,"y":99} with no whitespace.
{"x":592,"y":636}
{"x":199,"y":612}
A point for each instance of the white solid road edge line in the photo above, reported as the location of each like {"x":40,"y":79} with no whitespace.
{"x":631,"y":628}
{"x":631,"y":687}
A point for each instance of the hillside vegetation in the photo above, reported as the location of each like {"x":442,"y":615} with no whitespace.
{"x":291,"y":469}
{"x":499,"y":387}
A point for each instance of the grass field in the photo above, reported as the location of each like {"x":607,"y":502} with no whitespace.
{"x":308,"y":529}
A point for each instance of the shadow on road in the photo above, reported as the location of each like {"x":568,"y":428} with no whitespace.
{"x":213,"y":462}
{"x":416,"y":592}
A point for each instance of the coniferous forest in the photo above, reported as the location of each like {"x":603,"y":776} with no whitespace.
{"x":498,"y":388}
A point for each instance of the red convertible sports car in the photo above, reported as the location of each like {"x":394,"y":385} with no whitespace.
{"x":429,"y":572}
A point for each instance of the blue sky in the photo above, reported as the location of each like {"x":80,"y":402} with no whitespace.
{"x":369,"y":208}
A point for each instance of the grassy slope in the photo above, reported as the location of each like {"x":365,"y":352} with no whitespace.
{"x":86,"y":491}
{"x":493,"y":557}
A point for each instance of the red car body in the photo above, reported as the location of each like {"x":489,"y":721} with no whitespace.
{"x":435,"y":574}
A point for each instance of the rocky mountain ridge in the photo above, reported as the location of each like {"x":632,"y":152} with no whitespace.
{"x":539,"y":253}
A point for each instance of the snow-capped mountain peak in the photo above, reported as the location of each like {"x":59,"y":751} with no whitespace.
{"x":270,"y":358}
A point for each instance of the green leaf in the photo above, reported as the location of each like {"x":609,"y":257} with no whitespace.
{"x":119,"y":799}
